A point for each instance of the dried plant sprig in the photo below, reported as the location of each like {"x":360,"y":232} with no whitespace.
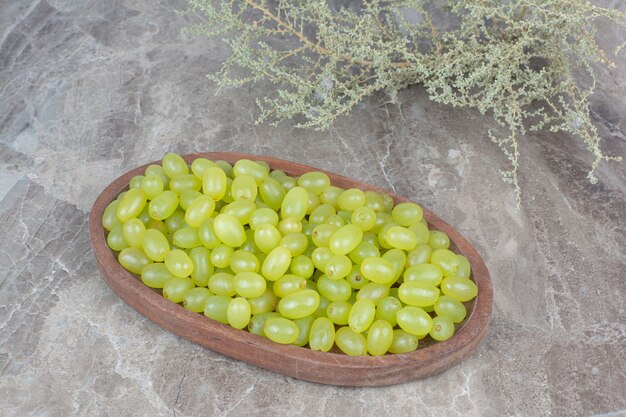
{"x":529,"y":64}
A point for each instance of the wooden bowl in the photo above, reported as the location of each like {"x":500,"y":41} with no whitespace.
{"x":297,"y":362}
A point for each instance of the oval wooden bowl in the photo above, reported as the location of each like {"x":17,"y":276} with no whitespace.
{"x":297,"y":362}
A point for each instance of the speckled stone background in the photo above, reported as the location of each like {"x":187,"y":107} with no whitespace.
{"x":90,"y":89}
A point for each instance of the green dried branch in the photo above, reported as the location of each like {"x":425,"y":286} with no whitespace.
{"x":529,"y":64}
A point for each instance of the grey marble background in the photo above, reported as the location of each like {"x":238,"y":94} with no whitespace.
{"x":90,"y":89}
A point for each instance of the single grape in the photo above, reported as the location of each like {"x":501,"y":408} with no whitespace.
{"x":272,"y":193}
{"x":155,"y":275}
{"x":202,"y":266}
{"x":361,"y":315}
{"x":443,"y":328}
{"x":322,"y":334}
{"x":178,"y":263}
{"x":152,"y":186}
{"x":186,"y":237}
{"x":263,"y":303}
{"x":280,"y":330}
{"x":426,"y":273}
{"x":418,"y":294}
{"x":244,"y":261}
{"x":421,"y":254}
{"x":184,"y":182}
{"x":379,"y":270}
{"x":373,"y":291}
{"x":267,"y":237}
{"x":379,"y":338}
{"x":334,"y":289}
{"x":299,"y":304}
{"x":255,"y":170}
{"x":288,"y":284}
{"x":200,"y":165}
{"x":314,"y":181}
{"x":276,"y":263}
{"x":155,"y":245}
{"x":221,"y":256}
{"x":321,"y":213}
{"x":451,"y":308}
{"x":199,"y":210}
{"x":207,"y":235}
{"x":461,"y":289}
{"x":238,"y":313}
{"x":175,"y":288}
{"x":263,"y":216}
{"x":257,"y":321}
{"x":109,"y":217}
{"x":387,"y":308}
{"x":216,"y":308}
{"x":244,"y":187}
{"x":174,"y":165}
{"x":446,"y":260}
{"x":115,"y":238}
{"x":304,"y":328}
{"x":195,"y":299}
{"x":214,"y":183}
{"x":229,"y":230}
{"x":131,"y":204}
{"x":295,"y":203}
{"x":338,"y":266}
{"x":338,"y":312}
{"x":302,"y":265}
{"x":249,"y":284}
{"x":414,"y":320}
{"x":438,"y":240}
{"x":163,"y":205}
{"x":351,"y":343}
{"x":403,"y":342}
{"x":407,"y":214}
{"x":345,"y":239}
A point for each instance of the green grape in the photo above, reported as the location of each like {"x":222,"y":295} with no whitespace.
{"x":361,"y":315}
{"x":281,"y":330}
{"x":379,"y":338}
{"x":276,"y":263}
{"x":387,"y":308}
{"x":264,"y":303}
{"x":144,"y":216}
{"x":322,"y":334}
{"x":133,"y":259}
{"x":313,"y":202}
{"x":414,"y":320}
{"x":407,"y":214}
{"x":152,"y":186}
{"x":207,"y":235}
{"x":446,"y":260}
{"x":351,"y":199}
{"x":244,"y":261}
{"x":238,"y":313}
{"x":297,"y":243}
{"x":379,"y":270}
{"x":163,"y":205}
{"x":465,"y":269}
{"x":345,"y":239}
{"x":185,"y":182}
{"x":420,"y":255}
{"x":157,"y":225}
{"x":418,"y":294}
{"x":304,"y":327}
{"x":302,"y":265}
{"x":174,"y":165}
{"x":229,"y":230}
{"x":398,"y":258}
{"x":438,"y":240}
{"x":263,"y":216}
{"x":199,"y":210}
{"x":109,"y":217}
{"x":158,"y":171}
{"x":277,"y":173}
{"x":338,"y":267}
{"x":135,"y":182}
{"x":214,"y":183}
{"x":330,"y":195}
{"x":364,"y":217}
{"x":295,"y":203}
{"x":321,"y":213}
{"x":155,"y":275}
{"x":403,"y":342}
{"x":131,"y":204}
{"x":200,"y":165}
{"x":322,"y":233}
{"x":338,"y":312}
{"x":115,"y":238}
{"x":186,"y":237}
{"x":286,"y":182}
{"x":363,"y":250}
{"x":186,"y":197}
{"x":382,"y":219}
{"x":443,"y":328}
{"x":334,"y":289}
{"x":288,"y":284}
{"x":314,"y":181}
{"x":401,"y":238}
{"x":195,"y":299}
{"x":221,"y":255}
{"x":382,"y":235}
{"x":244,"y":187}
{"x":422,"y":234}
{"x":179,"y":263}
{"x":387,"y":202}
{"x":299,"y":304}
{"x":426,"y":273}
{"x":461,"y":289}
{"x":267,"y":237}
{"x":155,"y":245}
{"x":371,"y":238}
{"x":226,"y":167}
{"x":289,"y":225}
{"x":272,"y":193}
{"x":355,"y":278}
{"x":350,"y":343}
{"x":216,"y":308}
{"x":249,"y":284}
{"x":373,"y":201}
{"x":336,"y":220}
{"x":202,"y":266}
{"x":175,"y":221}
{"x":240,"y":209}
{"x":257,"y":321}
{"x":258,"y":171}
{"x":373,"y":291}
{"x":222,"y":283}
{"x":176,"y":287}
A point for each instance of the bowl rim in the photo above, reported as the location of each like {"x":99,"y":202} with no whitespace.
{"x":291,"y":360}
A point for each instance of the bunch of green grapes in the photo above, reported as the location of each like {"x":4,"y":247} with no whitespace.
{"x":296,"y":260}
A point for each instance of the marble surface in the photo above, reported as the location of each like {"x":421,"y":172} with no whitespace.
{"x":90,"y":89}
